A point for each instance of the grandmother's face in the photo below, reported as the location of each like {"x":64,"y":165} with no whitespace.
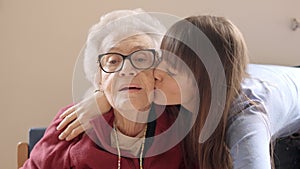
{"x":129,"y":89}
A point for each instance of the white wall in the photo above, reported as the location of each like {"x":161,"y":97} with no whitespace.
{"x":40,"y":41}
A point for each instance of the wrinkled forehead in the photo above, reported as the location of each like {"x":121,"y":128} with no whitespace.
{"x":132,"y":43}
{"x":128,"y":43}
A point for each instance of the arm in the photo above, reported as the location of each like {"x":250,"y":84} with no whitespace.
{"x":50,"y":152}
{"x":76,"y":118}
{"x":275,"y":90}
{"x":248,"y":137}
{"x":278,"y":88}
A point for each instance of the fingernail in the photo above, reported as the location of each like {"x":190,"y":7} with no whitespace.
{"x":61,"y":136}
{"x":58,"y":127}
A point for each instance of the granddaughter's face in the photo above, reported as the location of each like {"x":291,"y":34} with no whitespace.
{"x":174,"y":86}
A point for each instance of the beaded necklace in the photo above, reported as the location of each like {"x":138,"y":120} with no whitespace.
{"x":119,"y":151}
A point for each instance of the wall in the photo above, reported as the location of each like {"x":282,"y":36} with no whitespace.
{"x":40,"y":41}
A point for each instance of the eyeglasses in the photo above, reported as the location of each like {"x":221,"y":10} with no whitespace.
{"x":140,"y":59}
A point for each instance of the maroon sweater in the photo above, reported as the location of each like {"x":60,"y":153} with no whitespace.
{"x":83,"y":153}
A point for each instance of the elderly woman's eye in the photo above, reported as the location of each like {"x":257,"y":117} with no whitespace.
{"x":141,"y":60}
{"x":112,"y":62}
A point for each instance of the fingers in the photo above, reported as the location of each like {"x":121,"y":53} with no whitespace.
{"x":75,"y":133}
{"x":68,"y":119}
{"x":75,"y":124}
{"x":68,"y":111}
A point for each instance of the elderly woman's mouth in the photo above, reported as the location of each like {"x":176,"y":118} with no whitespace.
{"x":130,"y":88}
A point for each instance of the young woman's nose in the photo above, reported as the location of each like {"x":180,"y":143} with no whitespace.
{"x":128,"y":69}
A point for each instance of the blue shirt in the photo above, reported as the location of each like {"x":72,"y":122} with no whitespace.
{"x":267,"y":108}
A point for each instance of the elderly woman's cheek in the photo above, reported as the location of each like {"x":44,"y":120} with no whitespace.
{"x":149,"y":81}
{"x":107,"y":85}
{"x":107,"y":80}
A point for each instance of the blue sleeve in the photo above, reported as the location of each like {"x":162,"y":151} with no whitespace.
{"x":278,"y":89}
{"x":275,"y":91}
{"x":248,"y":139}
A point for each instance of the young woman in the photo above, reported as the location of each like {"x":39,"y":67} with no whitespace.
{"x":260,"y":106}
{"x":262,"y":102}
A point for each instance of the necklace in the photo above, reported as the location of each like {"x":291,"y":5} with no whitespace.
{"x":119,"y":151}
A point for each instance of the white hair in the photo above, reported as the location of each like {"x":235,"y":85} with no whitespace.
{"x":112,"y":28}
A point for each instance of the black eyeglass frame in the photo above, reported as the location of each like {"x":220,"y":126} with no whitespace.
{"x":155,"y":62}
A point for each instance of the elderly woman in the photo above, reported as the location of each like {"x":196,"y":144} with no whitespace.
{"x":122,"y":138}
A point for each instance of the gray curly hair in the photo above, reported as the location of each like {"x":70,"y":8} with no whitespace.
{"x":112,"y":28}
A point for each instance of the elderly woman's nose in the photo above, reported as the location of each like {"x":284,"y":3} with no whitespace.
{"x":128,"y":69}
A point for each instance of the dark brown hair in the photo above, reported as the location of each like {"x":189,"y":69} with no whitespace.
{"x":231,"y":49}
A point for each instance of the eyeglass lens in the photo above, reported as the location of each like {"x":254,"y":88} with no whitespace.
{"x":113,"y":62}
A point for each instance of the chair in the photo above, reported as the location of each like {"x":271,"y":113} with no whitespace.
{"x":24,"y":148}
